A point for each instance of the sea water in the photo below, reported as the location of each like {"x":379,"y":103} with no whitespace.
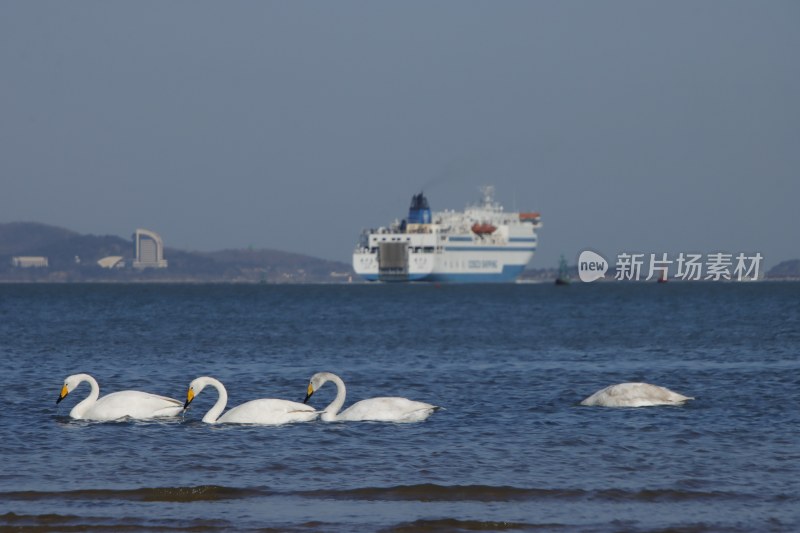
{"x":512,"y":450}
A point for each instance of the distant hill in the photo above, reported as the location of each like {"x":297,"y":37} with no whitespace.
{"x":785,"y":270}
{"x":61,"y":246}
{"x":26,"y":238}
{"x":73,"y":257}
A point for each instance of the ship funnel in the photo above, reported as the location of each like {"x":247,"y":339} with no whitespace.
{"x":420,"y":211}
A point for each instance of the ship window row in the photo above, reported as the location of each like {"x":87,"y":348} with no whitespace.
{"x":395,"y":239}
{"x":416,"y":249}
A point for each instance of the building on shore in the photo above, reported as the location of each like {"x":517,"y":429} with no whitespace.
{"x":29,"y":262}
{"x":112,"y":261}
{"x":149,"y":250}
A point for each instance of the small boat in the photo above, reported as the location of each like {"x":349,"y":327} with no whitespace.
{"x":563,"y":272}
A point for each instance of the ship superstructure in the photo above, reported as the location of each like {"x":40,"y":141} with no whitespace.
{"x":483,"y":243}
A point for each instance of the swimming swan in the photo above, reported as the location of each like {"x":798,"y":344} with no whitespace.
{"x":264,"y":411}
{"x":130,"y":403}
{"x":634,"y":395}
{"x":387,"y":409}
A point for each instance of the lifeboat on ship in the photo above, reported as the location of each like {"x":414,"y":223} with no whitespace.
{"x":529,"y":217}
{"x":483,"y":229}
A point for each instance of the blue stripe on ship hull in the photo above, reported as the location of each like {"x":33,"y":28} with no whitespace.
{"x":488,"y":249}
{"x":375,"y":277}
{"x":509,"y":273}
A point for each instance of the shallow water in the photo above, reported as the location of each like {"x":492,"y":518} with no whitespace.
{"x":511,"y":451}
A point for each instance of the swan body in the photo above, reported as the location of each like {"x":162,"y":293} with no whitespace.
{"x":385,"y":409}
{"x":129,"y":403}
{"x":264,"y":411}
{"x":634,"y":395}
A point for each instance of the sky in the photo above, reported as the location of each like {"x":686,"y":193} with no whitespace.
{"x":636,"y":126}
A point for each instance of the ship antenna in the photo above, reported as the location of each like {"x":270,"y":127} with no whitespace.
{"x":488,"y":194}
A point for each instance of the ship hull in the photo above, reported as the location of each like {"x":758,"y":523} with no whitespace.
{"x":474,"y":266}
{"x":508,"y":274}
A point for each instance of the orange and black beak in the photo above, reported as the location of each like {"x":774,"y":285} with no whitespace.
{"x":309,"y":392}
{"x":64,"y":392}
{"x":189,"y":398}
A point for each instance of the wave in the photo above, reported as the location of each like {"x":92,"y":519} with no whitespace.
{"x":452,"y":524}
{"x":486,"y":493}
{"x":59,"y":522}
{"x":47,"y":522}
{"x":159,"y":494}
{"x":427,"y":492}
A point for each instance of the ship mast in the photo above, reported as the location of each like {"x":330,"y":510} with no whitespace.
{"x":488,"y":195}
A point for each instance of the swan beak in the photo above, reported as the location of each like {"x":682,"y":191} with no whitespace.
{"x":189,"y":398}
{"x":64,"y":392}
{"x":309,"y":392}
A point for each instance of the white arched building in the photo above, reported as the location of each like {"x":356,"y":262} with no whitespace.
{"x":149,"y":250}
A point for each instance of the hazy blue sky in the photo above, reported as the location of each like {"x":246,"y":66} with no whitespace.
{"x":632,"y":126}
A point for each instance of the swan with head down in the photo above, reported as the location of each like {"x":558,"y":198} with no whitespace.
{"x":265,"y":411}
{"x":635,"y":395}
{"x":384,"y":409}
{"x":129,"y":403}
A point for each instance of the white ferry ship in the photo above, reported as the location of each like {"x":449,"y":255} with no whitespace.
{"x":481,"y":244}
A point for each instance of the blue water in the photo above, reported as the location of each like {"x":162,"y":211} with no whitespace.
{"x":511,"y":451}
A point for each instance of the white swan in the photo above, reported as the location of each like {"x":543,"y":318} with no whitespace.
{"x":263,"y":411}
{"x":386,"y":409}
{"x":130,"y":403}
{"x":634,"y":395}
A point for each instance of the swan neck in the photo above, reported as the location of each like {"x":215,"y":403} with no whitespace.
{"x":335,"y":406}
{"x":213,"y":414}
{"x":80,"y":409}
